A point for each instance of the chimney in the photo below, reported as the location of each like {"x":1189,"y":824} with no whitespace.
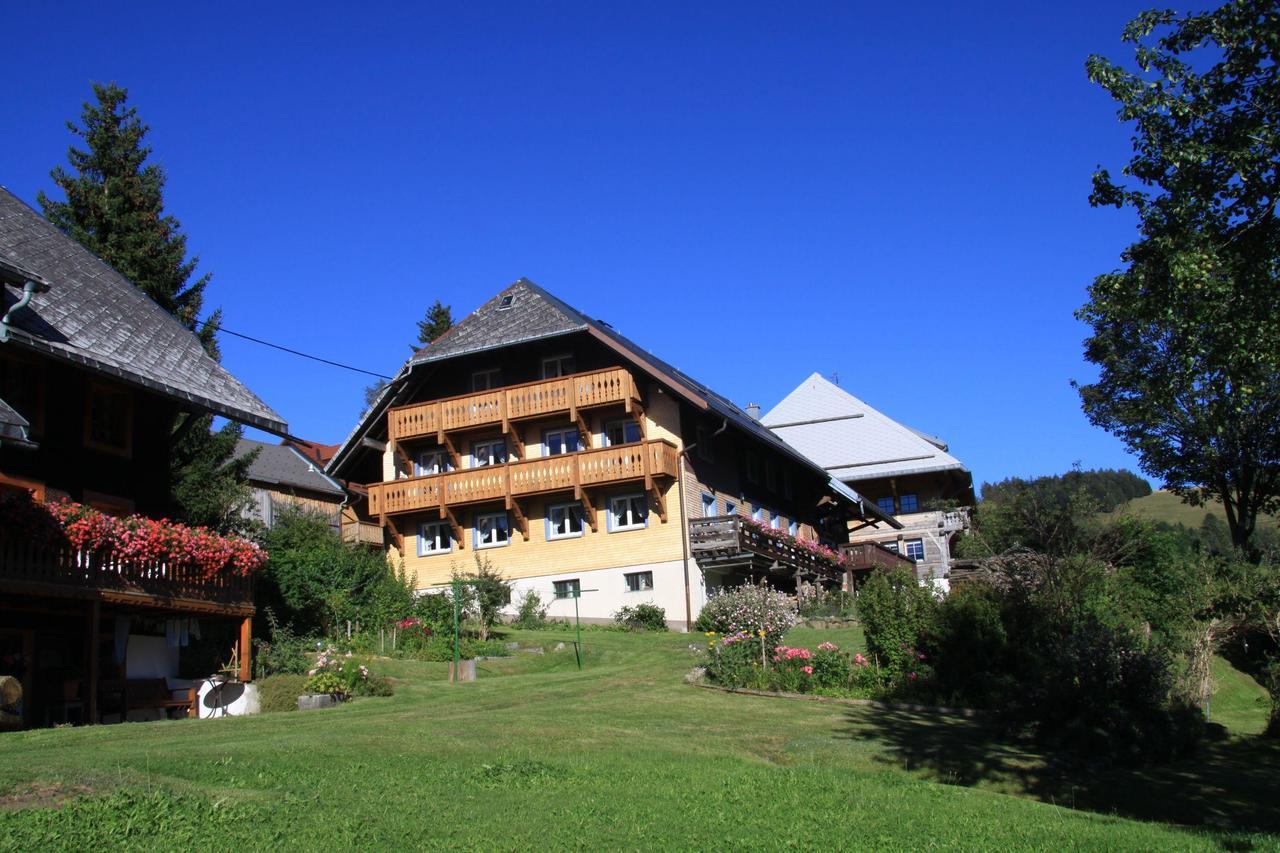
{"x":753,"y":409}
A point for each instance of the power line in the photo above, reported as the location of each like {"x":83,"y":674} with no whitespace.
{"x":302,"y":354}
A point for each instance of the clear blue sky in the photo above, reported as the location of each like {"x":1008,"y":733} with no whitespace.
{"x":753,"y":191}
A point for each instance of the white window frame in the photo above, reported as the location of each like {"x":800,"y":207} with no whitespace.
{"x":505,"y":526}
{"x":730,"y":507}
{"x":640,"y":587}
{"x":892,"y":545}
{"x":908,"y":546}
{"x":563,"y":432}
{"x":442,"y":533}
{"x":775,"y":521}
{"x":557,"y":362}
{"x":442,"y":462}
{"x":486,"y":380}
{"x":573,"y":585}
{"x":614,"y":526}
{"x":708,"y":506}
{"x":488,"y":442}
{"x":624,"y":423}
{"x":571,"y":508}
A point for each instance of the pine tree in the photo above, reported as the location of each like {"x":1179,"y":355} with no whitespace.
{"x":439,"y":320}
{"x":114,"y":207}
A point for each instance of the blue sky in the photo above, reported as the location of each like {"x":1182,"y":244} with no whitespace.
{"x":896,"y":195}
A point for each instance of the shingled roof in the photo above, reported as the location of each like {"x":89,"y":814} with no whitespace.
{"x":524,"y":312}
{"x":851,"y":439}
{"x":13,"y":427}
{"x":95,"y":318}
{"x":285,"y":468}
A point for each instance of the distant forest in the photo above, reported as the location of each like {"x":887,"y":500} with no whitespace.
{"x":1108,"y":487}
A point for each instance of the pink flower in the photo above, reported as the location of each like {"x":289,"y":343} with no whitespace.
{"x":860,"y":660}
{"x":828,"y":647}
{"x":808,"y":670}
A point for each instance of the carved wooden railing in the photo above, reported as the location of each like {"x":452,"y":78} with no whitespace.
{"x":607,"y":465}
{"x":25,"y":563}
{"x":362,"y":532}
{"x":731,"y":537}
{"x":871,"y":555}
{"x":515,"y":402}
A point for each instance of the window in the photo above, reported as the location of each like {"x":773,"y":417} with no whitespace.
{"x":908,"y":503}
{"x":730,"y":508}
{"x":892,"y":546}
{"x":708,"y":505}
{"x":431,"y":462}
{"x":557,"y":365}
{"x":492,"y":530}
{"x":757,"y":512}
{"x":557,"y":441}
{"x":434,"y":538}
{"x":484,"y":380}
{"x":568,"y":589}
{"x":621,"y":432}
{"x":705,"y":451}
{"x":639,"y":581}
{"x":109,"y":425}
{"x":885,"y":504}
{"x":564,"y":521}
{"x":777,"y":522}
{"x":915,"y":549}
{"x":488,"y":453}
{"x":628,"y":512}
{"x":771,"y":475}
{"x":793,"y":528}
{"x":507,"y":301}
{"x":753,"y":467}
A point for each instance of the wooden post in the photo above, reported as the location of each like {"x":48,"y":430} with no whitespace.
{"x":246,"y":649}
{"x":93,"y":621}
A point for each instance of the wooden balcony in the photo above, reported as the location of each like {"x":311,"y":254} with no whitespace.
{"x":729,"y":542}
{"x":501,"y":406}
{"x":640,"y":462}
{"x":865,"y":556}
{"x":30,"y":570}
{"x":362,"y":532}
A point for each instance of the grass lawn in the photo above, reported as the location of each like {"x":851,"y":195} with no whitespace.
{"x":1171,"y":509}
{"x":621,"y":755}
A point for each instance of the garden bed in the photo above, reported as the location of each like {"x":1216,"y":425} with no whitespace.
{"x":695,"y":678}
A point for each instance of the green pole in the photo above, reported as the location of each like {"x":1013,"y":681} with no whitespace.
{"x":577,"y":621}
{"x":457,"y":647}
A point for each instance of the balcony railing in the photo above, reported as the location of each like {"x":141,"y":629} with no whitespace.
{"x":731,"y":542}
{"x":864,"y":556}
{"x":362,"y":532}
{"x":27,"y":567}
{"x":606,"y":466}
{"x":513,"y":403}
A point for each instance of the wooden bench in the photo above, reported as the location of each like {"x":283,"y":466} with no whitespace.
{"x":142,"y":693}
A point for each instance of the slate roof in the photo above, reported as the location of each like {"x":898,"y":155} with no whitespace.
{"x":283,"y":467}
{"x":95,"y":318}
{"x":535,"y":314}
{"x":852,"y":440}
{"x":13,"y":427}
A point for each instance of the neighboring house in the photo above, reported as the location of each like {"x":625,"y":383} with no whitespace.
{"x":579,"y":463}
{"x":908,"y":474}
{"x":93,"y":378}
{"x":282,"y":476}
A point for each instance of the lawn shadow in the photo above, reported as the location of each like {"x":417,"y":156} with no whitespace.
{"x":1230,"y":785}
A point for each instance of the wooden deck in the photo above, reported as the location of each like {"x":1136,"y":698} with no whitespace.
{"x":501,"y":406}
{"x":728,"y":542}
{"x":26,"y":569}
{"x":642,"y":461}
{"x":866,"y":556}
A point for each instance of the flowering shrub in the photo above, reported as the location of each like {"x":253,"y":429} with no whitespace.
{"x":784,"y":538}
{"x":133,"y":538}
{"x":343,"y":675}
{"x":751,"y":609}
{"x":734,"y":661}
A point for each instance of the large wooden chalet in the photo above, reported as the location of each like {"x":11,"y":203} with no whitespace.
{"x":96,"y":381}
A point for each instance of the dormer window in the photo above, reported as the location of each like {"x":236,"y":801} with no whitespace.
{"x":506,"y":302}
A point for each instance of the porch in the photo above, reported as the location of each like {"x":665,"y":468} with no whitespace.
{"x":732,"y":544}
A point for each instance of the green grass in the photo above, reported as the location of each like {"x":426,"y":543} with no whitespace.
{"x":621,"y":755}
{"x":1239,"y":703}
{"x":1169,"y":508}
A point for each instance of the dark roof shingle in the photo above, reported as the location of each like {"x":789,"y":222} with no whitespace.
{"x":283,"y":466}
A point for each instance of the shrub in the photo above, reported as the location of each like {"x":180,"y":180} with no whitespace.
{"x":344,"y":675}
{"x":280,"y":692}
{"x":896,"y":612}
{"x":750,"y":609}
{"x":435,"y":610}
{"x":441,"y":649}
{"x":814,"y":602}
{"x":734,"y":660}
{"x":533,"y":613}
{"x":284,"y":653}
{"x":969,"y":648}
{"x":484,"y":595}
{"x":642,"y":617}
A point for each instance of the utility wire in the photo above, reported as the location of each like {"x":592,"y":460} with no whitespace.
{"x":302,"y":354}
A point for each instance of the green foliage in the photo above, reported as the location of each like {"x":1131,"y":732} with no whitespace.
{"x":1187,"y":336}
{"x":483,"y":595}
{"x":749,"y":608}
{"x":285,"y":653}
{"x":896,"y":613}
{"x":440,"y":648}
{"x":1051,"y":515}
{"x":208,"y":482}
{"x":969,"y":648}
{"x":439,"y":320}
{"x":327,"y":682}
{"x":532,"y":614}
{"x":816,"y":603}
{"x":642,"y":617}
{"x":315,"y":582}
{"x":280,"y":692}
{"x":1108,"y":488}
{"x":435,"y":609}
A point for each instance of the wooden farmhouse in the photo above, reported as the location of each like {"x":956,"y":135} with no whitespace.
{"x":96,"y":383}
{"x":580,"y":465}
{"x":285,"y":476}
{"x":908,"y":474}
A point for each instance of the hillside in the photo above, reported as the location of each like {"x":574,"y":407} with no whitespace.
{"x":1168,"y":507}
